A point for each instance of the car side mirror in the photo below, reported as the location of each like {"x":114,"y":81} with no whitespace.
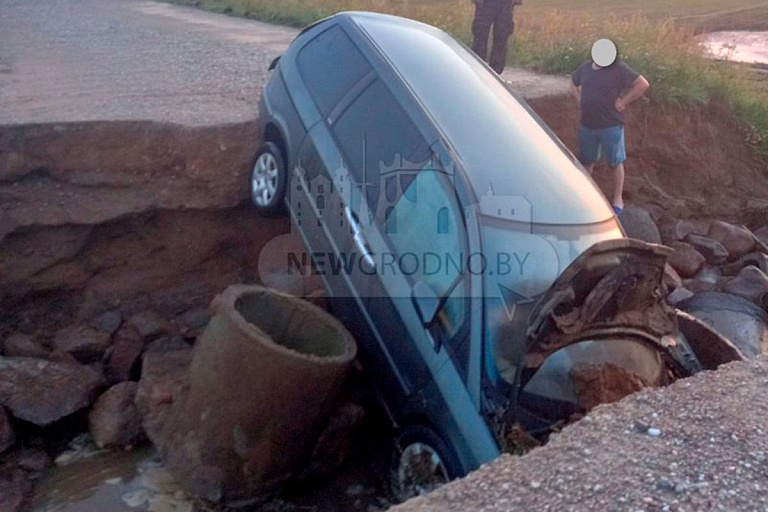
{"x":426,"y":302}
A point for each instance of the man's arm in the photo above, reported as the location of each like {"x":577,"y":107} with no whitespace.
{"x":576,"y":92}
{"x":636,"y":91}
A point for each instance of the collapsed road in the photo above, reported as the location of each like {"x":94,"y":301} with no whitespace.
{"x":127,"y":133}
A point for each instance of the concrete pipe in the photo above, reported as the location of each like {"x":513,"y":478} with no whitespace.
{"x":263,"y":379}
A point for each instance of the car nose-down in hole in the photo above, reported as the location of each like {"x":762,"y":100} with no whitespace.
{"x":485,"y":277}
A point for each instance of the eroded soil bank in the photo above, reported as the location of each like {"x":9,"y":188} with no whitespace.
{"x":682,"y":162}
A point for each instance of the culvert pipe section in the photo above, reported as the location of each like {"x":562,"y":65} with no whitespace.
{"x":264,"y":376}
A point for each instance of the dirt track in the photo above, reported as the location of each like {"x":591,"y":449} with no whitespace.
{"x":91,"y":60}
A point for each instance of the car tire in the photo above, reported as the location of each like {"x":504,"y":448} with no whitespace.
{"x":268,"y":181}
{"x":421,"y":462}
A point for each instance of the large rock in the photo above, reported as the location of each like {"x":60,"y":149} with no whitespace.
{"x":698,"y":286}
{"x":114,"y":420}
{"x":676,"y":230}
{"x":163,"y":375}
{"x":679,"y":295}
{"x":639,"y":224}
{"x":709,"y":274}
{"x":192,"y":322}
{"x":83,"y":342}
{"x":751,"y":283}
{"x":7,"y":434}
{"x":108,"y":322}
{"x":150,"y":324}
{"x":126,"y":351}
{"x":737,"y":240}
{"x":712,"y":250}
{"x":762,"y":234}
{"x":756,"y":259}
{"x":686,"y":260}
{"x":42,"y":392}
{"x":23,"y":345}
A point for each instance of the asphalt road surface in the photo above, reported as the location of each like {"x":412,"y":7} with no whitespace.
{"x":115,"y":60}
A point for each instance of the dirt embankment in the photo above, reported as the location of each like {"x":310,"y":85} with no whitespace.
{"x":95,"y":215}
{"x":682,"y":162}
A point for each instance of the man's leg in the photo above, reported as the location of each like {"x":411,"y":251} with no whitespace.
{"x":612,"y":141}
{"x":503,"y":27}
{"x":481,"y":27}
{"x":618,"y":198}
{"x":589,"y":148}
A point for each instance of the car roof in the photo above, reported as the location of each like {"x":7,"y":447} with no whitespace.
{"x":503,"y":148}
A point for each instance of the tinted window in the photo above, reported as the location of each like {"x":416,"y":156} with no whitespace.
{"x":376,"y":136}
{"x":330,"y":65}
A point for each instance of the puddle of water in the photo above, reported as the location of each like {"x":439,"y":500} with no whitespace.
{"x":87,"y":480}
{"x":738,"y":46}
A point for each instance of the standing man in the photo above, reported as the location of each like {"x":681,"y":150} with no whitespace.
{"x":604,"y":87}
{"x":500,"y":15}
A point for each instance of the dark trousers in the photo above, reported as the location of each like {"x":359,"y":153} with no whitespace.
{"x":499,"y":14}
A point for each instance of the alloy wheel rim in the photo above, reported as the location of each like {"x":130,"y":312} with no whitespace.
{"x":264,"y":180}
{"x":420,"y":471}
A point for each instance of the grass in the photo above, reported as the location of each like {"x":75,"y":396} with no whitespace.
{"x":553,"y":37}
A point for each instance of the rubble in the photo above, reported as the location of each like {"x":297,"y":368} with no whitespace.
{"x":762,"y":234}
{"x":24,"y":345}
{"x":712,"y":250}
{"x":126,"y":352}
{"x":109,"y":321}
{"x":686,"y":260}
{"x":751,"y":283}
{"x":163,"y":376}
{"x":83,"y":342}
{"x":114,"y":420}
{"x":737,"y":240}
{"x":150,"y":324}
{"x":42,"y":392}
{"x":676,"y":230}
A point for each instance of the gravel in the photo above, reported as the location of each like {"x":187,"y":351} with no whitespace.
{"x":699,"y":444}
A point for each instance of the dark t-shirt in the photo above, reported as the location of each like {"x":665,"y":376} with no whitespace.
{"x":600,"y":88}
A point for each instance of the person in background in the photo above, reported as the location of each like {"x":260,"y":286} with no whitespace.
{"x":498,"y":14}
{"x":604,"y":87}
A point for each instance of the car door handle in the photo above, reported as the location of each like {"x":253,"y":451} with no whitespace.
{"x":359,"y":238}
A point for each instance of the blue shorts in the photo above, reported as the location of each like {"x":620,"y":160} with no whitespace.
{"x":606,"y":141}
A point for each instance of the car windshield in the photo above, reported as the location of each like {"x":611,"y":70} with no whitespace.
{"x":505,"y":150}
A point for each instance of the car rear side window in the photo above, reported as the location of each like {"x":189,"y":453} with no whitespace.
{"x":376,"y":135}
{"x":330,"y":64}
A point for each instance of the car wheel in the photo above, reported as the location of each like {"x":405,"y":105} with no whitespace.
{"x":421,"y":462}
{"x":268,"y":180}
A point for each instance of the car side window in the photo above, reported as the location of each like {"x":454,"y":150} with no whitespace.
{"x":375,"y":135}
{"x":425,"y":230}
{"x":330,"y":65}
